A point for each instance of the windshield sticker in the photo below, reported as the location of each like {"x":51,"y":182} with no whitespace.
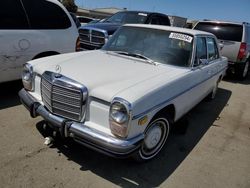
{"x":142,"y":14}
{"x":180,"y":36}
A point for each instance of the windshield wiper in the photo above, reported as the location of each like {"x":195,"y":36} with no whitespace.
{"x":121,"y":52}
{"x":137,"y":55}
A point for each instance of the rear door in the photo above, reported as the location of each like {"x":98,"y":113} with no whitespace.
{"x":207,"y":62}
{"x":230,"y":35}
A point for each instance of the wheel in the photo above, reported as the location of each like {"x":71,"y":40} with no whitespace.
{"x":242,"y":71}
{"x":156,"y":135}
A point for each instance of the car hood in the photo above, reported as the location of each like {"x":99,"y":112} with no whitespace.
{"x":109,"y":27}
{"x":105,"y":74}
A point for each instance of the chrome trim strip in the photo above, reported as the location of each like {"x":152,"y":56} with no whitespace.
{"x":64,"y":95}
{"x":94,"y":29}
{"x":75,"y":113}
{"x":91,"y":43}
{"x":96,"y":36}
{"x":166,"y":101}
{"x":72,"y":105}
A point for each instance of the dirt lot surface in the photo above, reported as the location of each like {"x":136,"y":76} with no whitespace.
{"x":213,"y":152}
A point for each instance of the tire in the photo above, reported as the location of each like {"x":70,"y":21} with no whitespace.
{"x":242,"y":71}
{"x":156,"y":135}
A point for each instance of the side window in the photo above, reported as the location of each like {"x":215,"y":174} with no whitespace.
{"x":212,"y":49}
{"x":164,"y":20}
{"x":12,"y":15}
{"x":46,"y":15}
{"x":201,"y":50}
{"x":155,"y":20}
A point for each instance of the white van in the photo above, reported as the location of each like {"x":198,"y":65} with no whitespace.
{"x":33,"y":29}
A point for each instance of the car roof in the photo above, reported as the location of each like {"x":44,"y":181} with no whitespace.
{"x":170,"y":28}
{"x":222,"y":22}
{"x":143,"y":12}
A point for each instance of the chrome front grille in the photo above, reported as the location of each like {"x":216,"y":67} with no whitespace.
{"x":63,"y":96}
{"x":92,"y":38}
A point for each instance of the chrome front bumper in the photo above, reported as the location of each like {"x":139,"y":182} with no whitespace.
{"x":82,"y":134}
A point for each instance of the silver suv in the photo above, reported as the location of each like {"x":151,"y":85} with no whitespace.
{"x":235,"y":38}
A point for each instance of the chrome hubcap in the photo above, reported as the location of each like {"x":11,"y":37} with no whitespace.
{"x":153,"y":137}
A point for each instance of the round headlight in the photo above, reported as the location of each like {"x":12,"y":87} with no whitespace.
{"x":119,"y":112}
{"x":119,"y":117}
{"x":27,"y":77}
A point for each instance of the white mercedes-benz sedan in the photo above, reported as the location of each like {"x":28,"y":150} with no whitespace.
{"x":123,"y":99}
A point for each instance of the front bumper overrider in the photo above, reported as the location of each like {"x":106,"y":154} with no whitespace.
{"x":82,"y":134}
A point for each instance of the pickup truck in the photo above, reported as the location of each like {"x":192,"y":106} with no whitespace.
{"x":94,"y":36}
{"x":123,"y":100}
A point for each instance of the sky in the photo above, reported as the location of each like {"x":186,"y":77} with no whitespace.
{"x":227,"y":10}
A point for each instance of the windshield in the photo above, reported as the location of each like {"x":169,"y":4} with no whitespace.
{"x":160,"y":46}
{"x":128,"y":17}
{"x":231,"y":32}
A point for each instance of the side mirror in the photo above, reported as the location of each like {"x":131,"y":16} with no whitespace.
{"x":203,"y":61}
{"x":199,"y":62}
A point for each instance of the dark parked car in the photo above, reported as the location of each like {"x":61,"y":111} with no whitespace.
{"x":94,"y":36}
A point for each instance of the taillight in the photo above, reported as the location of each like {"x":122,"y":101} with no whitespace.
{"x":243,"y":51}
{"x":78,"y":44}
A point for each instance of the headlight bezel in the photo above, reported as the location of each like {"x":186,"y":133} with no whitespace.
{"x":28,"y":77}
{"x":118,"y":125}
